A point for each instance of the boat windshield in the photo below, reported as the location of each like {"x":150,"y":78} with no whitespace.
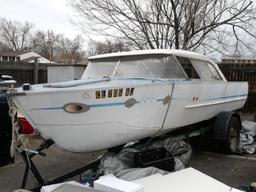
{"x":144,"y":66}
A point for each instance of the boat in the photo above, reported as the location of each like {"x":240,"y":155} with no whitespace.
{"x":127,"y":96}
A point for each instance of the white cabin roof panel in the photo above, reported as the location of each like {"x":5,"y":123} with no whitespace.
{"x":181,"y":53}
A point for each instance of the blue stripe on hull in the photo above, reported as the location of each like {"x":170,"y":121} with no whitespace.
{"x":122,"y":103}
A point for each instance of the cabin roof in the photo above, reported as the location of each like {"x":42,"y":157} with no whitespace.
{"x":181,"y":53}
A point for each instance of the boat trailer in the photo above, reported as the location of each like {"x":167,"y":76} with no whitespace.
{"x":18,"y":146}
{"x":27,"y":156}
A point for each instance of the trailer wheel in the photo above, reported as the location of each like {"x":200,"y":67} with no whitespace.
{"x":227,"y":131}
{"x":233,"y":137}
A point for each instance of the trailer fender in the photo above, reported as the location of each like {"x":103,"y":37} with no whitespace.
{"x":222,"y":123}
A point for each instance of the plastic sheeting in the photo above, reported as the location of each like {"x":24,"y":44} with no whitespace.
{"x":248,"y":137}
{"x":175,"y":146}
{"x":122,"y":164}
{"x":249,"y":128}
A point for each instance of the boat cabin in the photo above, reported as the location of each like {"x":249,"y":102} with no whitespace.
{"x":154,"y":64}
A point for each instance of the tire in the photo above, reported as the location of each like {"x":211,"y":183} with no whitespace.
{"x":233,"y":136}
{"x":226,"y":132}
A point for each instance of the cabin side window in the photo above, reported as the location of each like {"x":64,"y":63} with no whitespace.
{"x":188,"y":68}
{"x":100,"y":68}
{"x":198,"y":69}
{"x":171,"y":69}
{"x":141,"y":66}
{"x":215,"y":73}
{"x":150,"y":66}
{"x":206,"y":70}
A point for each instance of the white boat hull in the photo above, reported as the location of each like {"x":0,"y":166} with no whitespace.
{"x":108,"y":122}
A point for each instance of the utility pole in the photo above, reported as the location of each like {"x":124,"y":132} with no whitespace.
{"x":35,"y":71}
{"x":50,"y":44}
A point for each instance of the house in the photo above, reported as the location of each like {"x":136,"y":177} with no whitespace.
{"x":9,"y":56}
{"x":28,"y":56}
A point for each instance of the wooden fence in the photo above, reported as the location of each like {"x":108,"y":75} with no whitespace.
{"x":243,"y":72}
{"x":24,"y":72}
{"x":240,"y":72}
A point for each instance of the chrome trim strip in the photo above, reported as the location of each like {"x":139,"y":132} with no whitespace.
{"x":214,"y":103}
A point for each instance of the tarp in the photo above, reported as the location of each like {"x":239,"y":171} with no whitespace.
{"x":248,"y":137}
{"x":122,"y":164}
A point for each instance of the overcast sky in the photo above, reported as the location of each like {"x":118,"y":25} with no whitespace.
{"x":45,"y":14}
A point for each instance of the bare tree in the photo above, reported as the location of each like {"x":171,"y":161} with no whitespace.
{"x":39,"y":43}
{"x":181,"y":24}
{"x":4,"y":47}
{"x":45,"y":43}
{"x":14,"y":34}
{"x":108,"y":46}
{"x":70,"y":51}
{"x":18,"y":36}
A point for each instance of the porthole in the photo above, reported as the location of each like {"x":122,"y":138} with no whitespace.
{"x":76,"y":107}
{"x":130,"y":102}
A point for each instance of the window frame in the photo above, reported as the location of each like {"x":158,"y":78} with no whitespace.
{"x":217,"y":71}
{"x":195,"y":68}
{"x":119,"y":63}
{"x":206,"y":63}
{"x":184,"y":71}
